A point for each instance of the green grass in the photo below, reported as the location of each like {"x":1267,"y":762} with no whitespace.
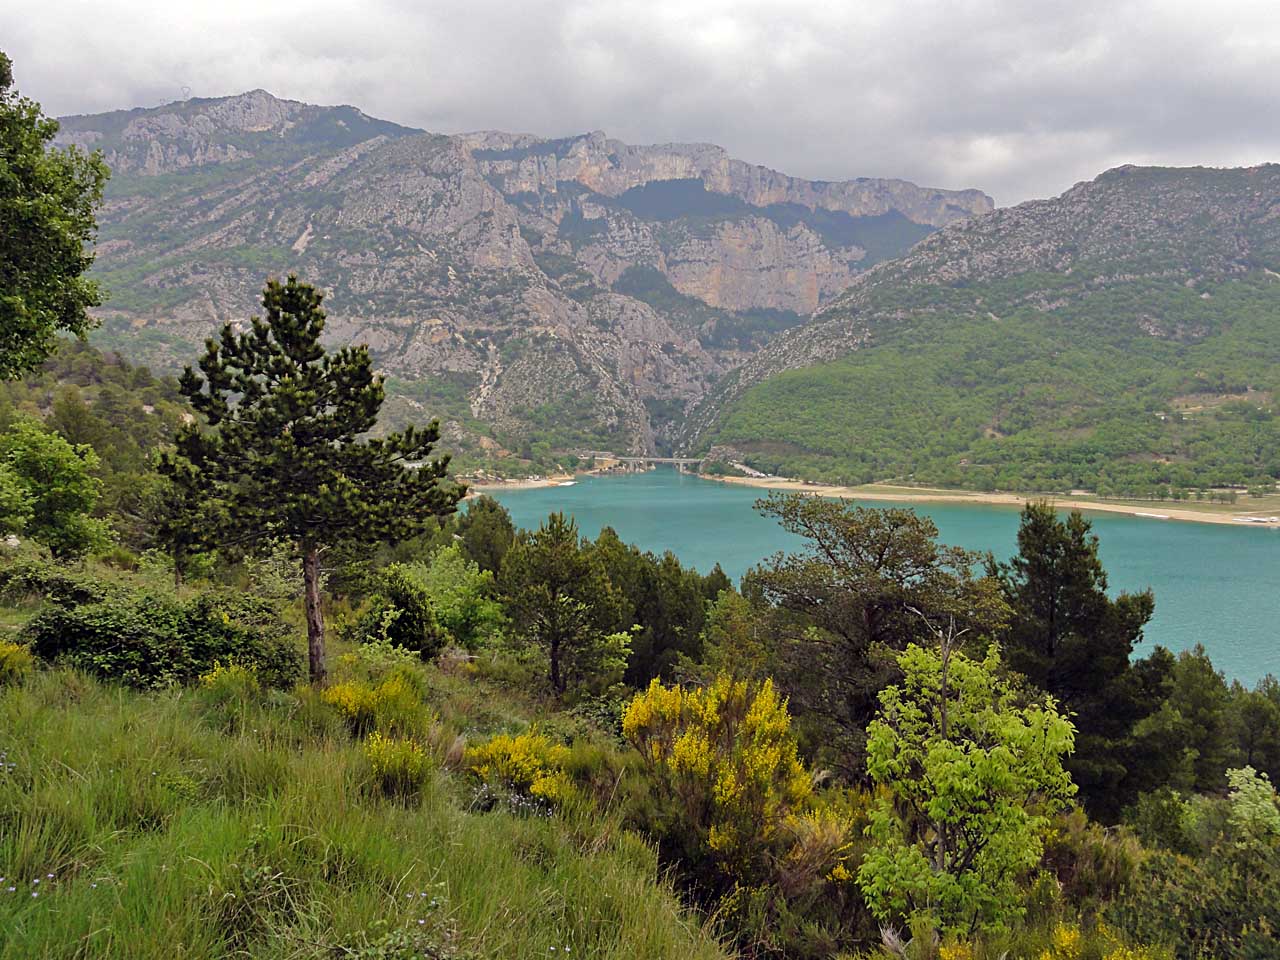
{"x":177,"y":826}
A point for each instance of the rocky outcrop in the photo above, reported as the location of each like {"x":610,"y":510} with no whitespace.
{"x":752,"y":263}
{"x":525,"y":164}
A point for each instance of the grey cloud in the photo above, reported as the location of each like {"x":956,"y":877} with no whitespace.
{"x":1018,"y":98}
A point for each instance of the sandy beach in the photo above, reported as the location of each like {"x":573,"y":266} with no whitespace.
{"x":524,"y":483}
{"x":1155,"y":510}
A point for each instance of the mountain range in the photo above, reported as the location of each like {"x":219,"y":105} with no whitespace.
{"x":536,"y":294}
{"x":547,"y":297}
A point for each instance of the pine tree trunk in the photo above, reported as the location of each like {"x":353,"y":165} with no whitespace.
{"x":315,"y":619}
{"x":555,"y":666}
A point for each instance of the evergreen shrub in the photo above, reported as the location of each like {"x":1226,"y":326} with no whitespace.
{"x":145,"y":639}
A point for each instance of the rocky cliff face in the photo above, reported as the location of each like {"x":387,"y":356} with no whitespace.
{"x":577,"y":292}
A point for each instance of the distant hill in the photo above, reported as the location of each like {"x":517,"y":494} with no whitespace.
{"x":1122,"y":336}
{"x":536,"y":294}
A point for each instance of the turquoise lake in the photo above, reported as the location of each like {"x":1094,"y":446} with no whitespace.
{"x":1216,"y":585}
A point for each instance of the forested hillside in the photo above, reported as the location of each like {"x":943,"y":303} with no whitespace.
{"x":1122,"y":337}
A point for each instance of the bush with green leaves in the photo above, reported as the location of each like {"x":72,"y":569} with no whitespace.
{"x":147,"y":639}
{"x":48,"y":488}
{"x":401,"y":613}
{"x":463,"y":596}
{"x":971,"y":772}
{"x":1218,"y":896}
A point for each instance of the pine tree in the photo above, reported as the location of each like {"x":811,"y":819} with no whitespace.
{"x":283,"y":453}
{"x":559,"y":596}
{"x":487,"y":532}
{"x":1072,"y":640}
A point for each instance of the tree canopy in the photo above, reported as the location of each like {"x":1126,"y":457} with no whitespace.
{"x":1070,"y":639}
{"x":971,"y":775}
{"x":48,"y":489}
{"x":48,"y":199}
{"x":846,"y":600}
{"x":561,"y":596}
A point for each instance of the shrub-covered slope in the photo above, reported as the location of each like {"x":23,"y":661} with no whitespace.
{"x":208,"y":824}
{"x":1123,"y":335}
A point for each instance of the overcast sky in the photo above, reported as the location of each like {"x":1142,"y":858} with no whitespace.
{"x":1021,"y":99}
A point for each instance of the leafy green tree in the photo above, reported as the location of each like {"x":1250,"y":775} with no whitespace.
{"x":284,"y":452}
{"x":559,"y":596}
{"x":1073,"y":641}
{"x":487,"y":532}
{"x":60,"y":486}
{"x":15,"y":502}
{"x":47,"y":203}
{"x":972,"y":773}
{"x":844,"y":601}
{"x":463,"y":596}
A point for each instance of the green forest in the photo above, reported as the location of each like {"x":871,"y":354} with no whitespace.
{"x":984,"y":389}
{"x":273,"y":685}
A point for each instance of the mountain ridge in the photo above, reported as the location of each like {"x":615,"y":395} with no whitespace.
{"x":504,"y":291}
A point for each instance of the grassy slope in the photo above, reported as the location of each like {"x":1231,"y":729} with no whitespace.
{"x":177,"y":827}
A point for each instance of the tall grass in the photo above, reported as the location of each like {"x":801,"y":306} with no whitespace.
{"x":183,"y":825}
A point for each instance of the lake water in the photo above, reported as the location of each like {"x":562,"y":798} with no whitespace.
{"x":1214,"y":584}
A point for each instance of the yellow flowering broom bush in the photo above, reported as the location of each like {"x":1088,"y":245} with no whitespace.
{"x":724,"y":760}
{"x":392,"y":706}
{"x":230,"y":681}
{"x":528,"y":764}
{"x":400,"y":767}
{"x":16,"y":661}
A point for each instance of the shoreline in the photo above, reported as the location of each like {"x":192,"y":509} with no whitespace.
{"x":522,"y":483}
{"x":1154,"y":511}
